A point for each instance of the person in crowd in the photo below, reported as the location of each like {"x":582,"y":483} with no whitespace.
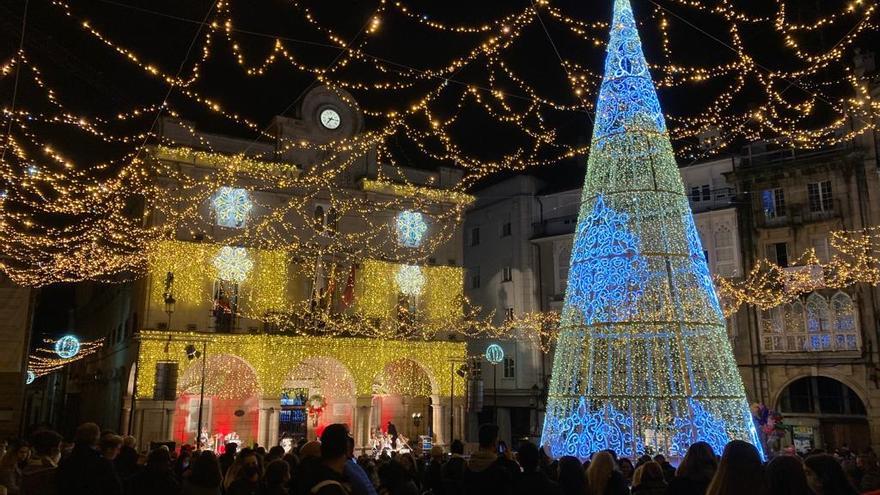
{"x":306,"y":472}
{"x":329,"y":476}
{"x":182,"y":463}
{"x":533,"y":479}
{"x":110,"y":446}
{"x":572,"y":480}
{"x":85,"y":471}
{"x":395,"y":480}
{"x":243,"y":477}
{"x":204,"y":476}
{"x":126,"y":463}
{"x":867,"y":462}
{"x":227,"y":458}
{"x":359,"y":481}
{"x":276,"y":452}
{"x":453,"y":469}
{"x":156,"y":477}
{"x":483,"y":472}
{"x":648,"y":480}
{"x":786,"y":476}
{"x":276,"y":478}
{"x":739,"y":472}
{"x":433,"y":478}
{"x":643,"y":459}
{"x":38,"y":476}
{"x":626,"y":468}
{"x":411,"y":468}
{"x":826,"y":477}
{"x":668,"y":469}
{"x":695,"y":471}
{"x":11,"y":464}
{"x":602,"y":477}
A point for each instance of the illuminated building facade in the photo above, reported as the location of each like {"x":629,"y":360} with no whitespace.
{"x":282,"y":328}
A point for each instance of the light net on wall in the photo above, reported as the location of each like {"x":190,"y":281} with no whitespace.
{"x":642,"y":363}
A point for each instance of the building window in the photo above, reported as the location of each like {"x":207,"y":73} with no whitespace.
{"x":695,"y":194}
{"x":819,"y":194}
{"x":777,"y":252}
{"x":724,"y":255}
{"x":506,"y":274}
{"x":475,"y":236}
{"x":707,"y":192}
{"x":506,"y":229}
{"x":509,"y":368}
{"x":811,"y":327}
{"x":475,"y":277}
{"x":773,"y":202}
{"x":508,"y":314}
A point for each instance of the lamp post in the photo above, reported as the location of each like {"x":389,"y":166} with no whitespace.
{"x":494,"y":354}
{"x":193,"y":353}
{"x":169,"y":307}
{"x":416,"y":419}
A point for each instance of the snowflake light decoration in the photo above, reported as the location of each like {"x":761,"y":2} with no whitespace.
{"x":410,"y":280}
{"x":231,"y":207}
{"x":411,"y":228}
{"x":233,"y":264}
{"x":66,"y":347}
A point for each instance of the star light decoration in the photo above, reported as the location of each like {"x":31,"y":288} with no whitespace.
{"x":642,"y":359}
{"x":411,"y":228}
{"x":233,"y":264}
{"x":232,"y":206}
{"x":410,"y":280}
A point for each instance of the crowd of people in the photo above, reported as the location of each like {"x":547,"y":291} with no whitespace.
{"x":105,"y":463}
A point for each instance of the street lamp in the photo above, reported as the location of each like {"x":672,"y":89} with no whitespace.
{"x":416,"y":419}
{"x":193,"y":353}
{"x":168,"y":295}
{"x":494,"y":354}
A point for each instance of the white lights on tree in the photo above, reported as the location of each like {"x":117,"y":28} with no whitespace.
{"x":233,"y":264}
{"x":231,"y":207}
{"x":410,"y":280}
{"x":411,"y":228}
{"x":66,"y":347}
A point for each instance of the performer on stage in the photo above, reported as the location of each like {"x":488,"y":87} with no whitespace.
{"x":392,"y":431}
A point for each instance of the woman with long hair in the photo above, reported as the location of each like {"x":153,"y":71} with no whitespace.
{"x":648,"y":480}
{"x":11,"y":465}
{"x":204,"y":477}
{"x":571,"y":476}
{"x":695,"y":471}
{"x":786,"y":476}
{"x":599,"y":473}
{"x":740,"y":471}
{"x":826,"y":477}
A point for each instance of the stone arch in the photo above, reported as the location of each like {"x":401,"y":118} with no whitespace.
{"x":855,"y":387}
{"x":222,"y":372}
{"x":396,"y":372}
{"x":324,"y":367}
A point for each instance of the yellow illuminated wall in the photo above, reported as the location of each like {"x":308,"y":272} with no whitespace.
{"x":274,"y":357}
{"x":441,"y":298}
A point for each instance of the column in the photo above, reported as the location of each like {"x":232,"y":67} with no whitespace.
{"x":440,"y":419}
{"x":363,"y":411}
{"x":407,"y":426}
{"x":459,"y":423}
{"x":267,"y":429}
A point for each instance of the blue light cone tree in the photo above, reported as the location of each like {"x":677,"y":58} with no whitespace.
{"x":642,"y":361}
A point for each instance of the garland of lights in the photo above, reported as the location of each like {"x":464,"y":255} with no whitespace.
{"x":642,"y":360}
{"x":56,"y":354}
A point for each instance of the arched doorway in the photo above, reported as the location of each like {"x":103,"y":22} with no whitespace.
{"x":821,"y":412}
{"x":401,"y":403}
{"x":317,"y":392}
{"x":230,"y":410}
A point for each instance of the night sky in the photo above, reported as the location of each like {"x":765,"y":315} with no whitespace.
{"x":93,"y":79}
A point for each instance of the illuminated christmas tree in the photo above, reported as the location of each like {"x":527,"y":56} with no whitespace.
{"x":642,"y":362}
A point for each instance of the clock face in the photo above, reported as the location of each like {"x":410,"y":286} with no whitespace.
{"x":330,"y":118}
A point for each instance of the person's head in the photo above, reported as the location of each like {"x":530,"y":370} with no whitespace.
{"x":16,"y":454}
{"x":47,"y":445}
{"x":457,"y":447}
{"x":626,"y":467}
{"x":740,"y":471}
{"x":643,"y":459}
{"x":826,"y":477}
{"x":436,"y":453}
{"x":231,"y":448}
{"x":87,"y":435}
{"x":110,"y":446}
{"x":248,"y":465}
{"x":867,"y":461}
{"x":528,"y":457}
{"x":408,"y":462}
{"x":648,"y":473}
{"x":159,"y":459}
{"x":205,"y":470}
{"x":310,"y":449}
{"x":488,"y":436}
{"x":276,"y":452}
{"x":22,"y":452}
{"x":277,"y":473}
{"x":699,"y":463}
{"x":129,"y":441}
{"x":660,"y":459}
{"x":292,"y":460}
{"x":334,"y":442}
{"x":599,"y":472}
{"x":571,"y":475}
{"x":786,"y":476}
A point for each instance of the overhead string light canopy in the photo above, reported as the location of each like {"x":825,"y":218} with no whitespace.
{"x":643,"y":362}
